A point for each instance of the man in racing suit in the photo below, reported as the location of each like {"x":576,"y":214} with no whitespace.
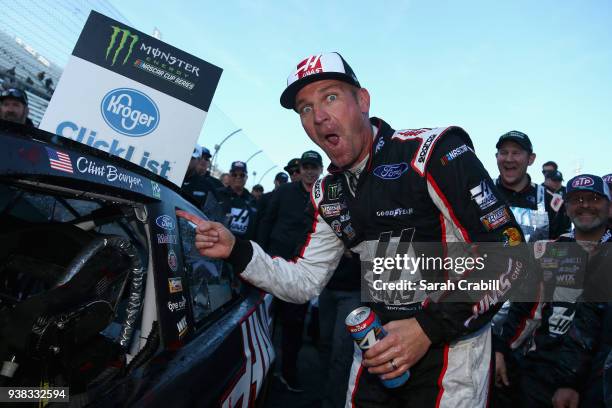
{"x":385,"y":187}
{"x":568,"y":269}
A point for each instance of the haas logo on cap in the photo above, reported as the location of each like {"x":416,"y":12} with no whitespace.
{"x":583,"y":182}
{"x":311,"y":65}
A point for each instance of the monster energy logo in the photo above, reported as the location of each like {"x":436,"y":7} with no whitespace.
{"x":125,"y":35}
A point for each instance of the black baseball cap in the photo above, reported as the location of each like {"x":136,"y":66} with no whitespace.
{"x":518,"y":137}
{"x":15,"y":93}
{"x":607,"y":179}
{"x":206,"y":152}
{"x":238,"y":166}
{"x":554,"y":175}
{"x":330,"y":65}
{"x":588,"y":182}
{"x":281,"y":177}
{"x":292,"y":165}
{"x":197,"y":152}
{"x":311,"y":157}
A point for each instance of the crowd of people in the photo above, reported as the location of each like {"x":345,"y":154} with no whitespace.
{"x":315,"y":236}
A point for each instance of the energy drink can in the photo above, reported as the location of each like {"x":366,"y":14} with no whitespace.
{"x":366,"y":329}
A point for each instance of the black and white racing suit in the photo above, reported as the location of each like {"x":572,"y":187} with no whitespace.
{"x":428,"y":182}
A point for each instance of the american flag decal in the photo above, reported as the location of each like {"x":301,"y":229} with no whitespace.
{"x":59,"y":161}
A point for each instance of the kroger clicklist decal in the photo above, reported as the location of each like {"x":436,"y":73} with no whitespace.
{"x":129,"y":112}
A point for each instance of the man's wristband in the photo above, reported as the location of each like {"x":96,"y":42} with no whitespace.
{"x":241,"y":255}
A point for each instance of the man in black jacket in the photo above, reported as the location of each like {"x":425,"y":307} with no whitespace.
{"x":583,"y":369}
{"x":200,"y":186}
{"x":282,"y":230}
{"x":573,"y":265}
{"x":539,"y":211}
{"x":284,"y":225}
{"x":280,"y":179}
{"x":387,"y":187}
{"x":239,"y":206}
{"x":293,"y":169}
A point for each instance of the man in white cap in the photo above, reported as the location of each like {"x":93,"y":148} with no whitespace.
{"x":385,"y":189}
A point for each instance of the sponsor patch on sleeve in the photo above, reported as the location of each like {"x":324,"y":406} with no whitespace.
{"x":483,"y":195}
{"x":539,"y":248}
{"x":556,"y":202}
{"x":495,"y":218}
{"x":317,"y":191}
{"x":331,"y":210}
{"x":512,"y":236}
{"x":453,"y":154}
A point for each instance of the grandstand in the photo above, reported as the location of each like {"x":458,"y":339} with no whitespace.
{"x":22,"y":66}
{"x":36,"y":40}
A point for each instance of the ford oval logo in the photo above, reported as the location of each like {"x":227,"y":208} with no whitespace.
{"x":391,"y":171}
{"x":165,"y":222}
{"x":130,"y":112}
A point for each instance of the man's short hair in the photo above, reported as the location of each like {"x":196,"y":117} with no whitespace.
{"x":551,"y":163}
{"x":258,"y":187}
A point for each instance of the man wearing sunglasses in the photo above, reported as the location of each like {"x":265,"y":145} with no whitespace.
{"x":553,"y":181}
{"x":575,"y":264}
{"x":239,"y":205}
{"x":14,"y":106}
{"x":293,"y":168}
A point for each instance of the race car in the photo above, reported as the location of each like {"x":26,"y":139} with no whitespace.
{"x":103,"y":292}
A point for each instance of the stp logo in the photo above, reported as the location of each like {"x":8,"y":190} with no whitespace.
{"x":130,"y":112}
{"x":583,"y":182}
{"x":311,"y":65}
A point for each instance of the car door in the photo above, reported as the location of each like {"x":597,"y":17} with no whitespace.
{"x":217,"y":347}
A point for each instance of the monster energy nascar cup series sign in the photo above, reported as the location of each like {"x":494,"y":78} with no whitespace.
{"x":133,"y":96}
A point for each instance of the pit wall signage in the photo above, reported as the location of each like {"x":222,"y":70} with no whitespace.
{"x":133,"y":96}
